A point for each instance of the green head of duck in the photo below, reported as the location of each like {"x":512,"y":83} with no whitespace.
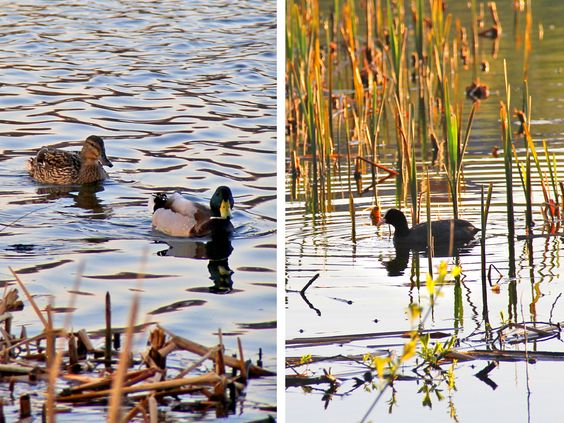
{"x":221,"y":202}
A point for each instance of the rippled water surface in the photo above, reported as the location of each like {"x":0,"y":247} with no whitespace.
{"x":183,"y":94}
{"x":365,"y":287}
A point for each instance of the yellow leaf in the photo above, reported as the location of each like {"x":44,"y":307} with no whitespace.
{"x":380,"y":363}
{"x":409,"y":349}
{"x":430,"y":285}
{"x":442,"y":269}
{"x":414,"y":312}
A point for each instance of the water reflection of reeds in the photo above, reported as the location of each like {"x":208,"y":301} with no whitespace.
{"x":400,"y":87}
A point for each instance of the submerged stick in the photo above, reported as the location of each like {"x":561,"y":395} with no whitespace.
{"x":307,"y":285}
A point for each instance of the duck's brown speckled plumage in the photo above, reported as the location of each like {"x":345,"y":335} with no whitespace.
{"x":54,"y":166}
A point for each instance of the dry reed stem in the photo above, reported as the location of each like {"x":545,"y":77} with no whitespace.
{"x":26,"y":341}
{"x":118,"y":382}
{"x":132,"y":377}
{"x":210,"y":353}
{"x":209,"y":379}
{"x":30,"y":299}
{"x":139,"y":408}
{"x":242,"y":358}
{"x":153,"y":410}
{"x":73,"y":296}
{"x":51,"y":386}
{"x":201,"y":350}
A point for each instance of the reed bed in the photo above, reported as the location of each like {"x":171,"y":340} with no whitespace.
{"x":76,"y":372}
{"x":383,"y":74}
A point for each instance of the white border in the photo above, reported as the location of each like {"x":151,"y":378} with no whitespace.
{"x":281,"y":208}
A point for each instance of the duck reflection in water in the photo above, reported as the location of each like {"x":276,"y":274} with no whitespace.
{"x":450,"y":237}
{"x":84,"y":197}
{"x":217,"y":251}
{"x":398,"y":264}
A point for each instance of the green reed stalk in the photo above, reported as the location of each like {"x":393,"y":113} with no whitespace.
{"x":552,"y":171}
{"x":528,"y":148}
{"x":507,"y":148}
{"x":413,"y":171}
{"x":349,"y":172}
{"x":456,"y":148}
{"x":336,"y":14}
{"x":484,"y":221}
{"x":397,"y":34}
{"x":419,"y":22}
{"x":376,"y":118}
{"x":422,"y":75}
{"x":528,"y":192}
{"x":451,"y":125}
{"x":429,"y":226}
{"x":506,"y":134}
{"x":458,"y":304}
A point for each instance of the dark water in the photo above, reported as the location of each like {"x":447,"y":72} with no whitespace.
{"x":356,"y":293}
{"x":183,"y":94}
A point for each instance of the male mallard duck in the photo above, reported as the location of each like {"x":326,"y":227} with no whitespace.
{"x":460,"y":230}
{"x":54,"y":166}
{"x":176,"y":216}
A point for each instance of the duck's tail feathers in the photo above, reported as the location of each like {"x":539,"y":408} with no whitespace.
{"x":157,"y":201}
{"x":29,"y":164}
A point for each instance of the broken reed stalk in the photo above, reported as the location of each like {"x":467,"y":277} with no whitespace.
{"x":242,"y":358}
{"x":30,"y":299}
{"x":219,"y":363}
{"x":198,"y":363}
{"x":108,"y":334}
{"x":209,"y":379}
{"x":104,"y":383}
{"x":153,"y":410}
{"x":25,"y":406}
{"x":114,"y":408}
{"x":51,"y":386}
{"x":201,"y":350}
{"x":49,"y":335}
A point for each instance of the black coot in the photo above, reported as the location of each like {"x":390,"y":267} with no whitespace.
{"x":416,"y":237}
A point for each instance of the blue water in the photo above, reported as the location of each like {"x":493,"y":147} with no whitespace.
{"x":183,"y":94}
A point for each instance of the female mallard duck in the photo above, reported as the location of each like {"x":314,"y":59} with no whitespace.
{"x":176,"y":216}
{"x":54,"y":166}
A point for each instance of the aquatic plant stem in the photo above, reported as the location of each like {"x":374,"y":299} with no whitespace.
{"x":484,"y":220}
{"x":507,"y":156}
{"x":429,"y":225}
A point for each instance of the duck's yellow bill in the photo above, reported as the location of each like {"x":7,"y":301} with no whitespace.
{"x":225,"y":209}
